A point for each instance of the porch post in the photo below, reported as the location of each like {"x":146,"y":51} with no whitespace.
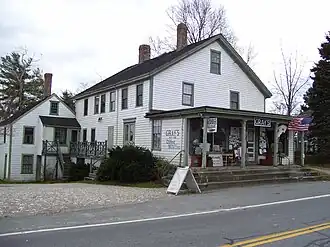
{"x":275,"y":146}
{"x":204,"y":158}
{"x":302,"y":148}
{"x":186,"y":142}
{"x":243,"y":138}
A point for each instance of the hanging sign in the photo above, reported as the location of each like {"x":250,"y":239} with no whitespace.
{"x":212,"y":125}
{"x":260,"y":122}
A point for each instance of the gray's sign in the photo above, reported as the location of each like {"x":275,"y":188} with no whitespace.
{"x":172,"y":138}
{"x":262,"y":122}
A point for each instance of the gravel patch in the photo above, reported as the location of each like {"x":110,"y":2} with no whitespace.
{"x":34,"y":199}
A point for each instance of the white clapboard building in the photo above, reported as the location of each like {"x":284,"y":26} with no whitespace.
{"x":199,"y":95}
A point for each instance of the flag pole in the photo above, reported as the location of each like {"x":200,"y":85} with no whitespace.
{"x":302,"y":149}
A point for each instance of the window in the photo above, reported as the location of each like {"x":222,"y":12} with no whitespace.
{"x":112,"y":101}
{"x":129,"y":132}
{"x":139,"y":95}
{"x":60,"y":135}
{"x":4,"y":135}
{"x":93,"y":135}
{"x":124,"y":98}
{"x":28,"y":135}
{"x":53,"y":108}
{"x":84,"y":137}
{"x":103,"y":103}
{"x":156,"y":134}
{"x":27,"y":164}
{"x":234,"y":100}
{"x":85,"y":107}
{"x":215,"y":62}
{"x":188,"y":94}
{"x":96,"y":104}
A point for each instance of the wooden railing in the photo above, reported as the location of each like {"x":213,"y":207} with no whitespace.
{"x":88,"y":149}
{"x":50,"y":147}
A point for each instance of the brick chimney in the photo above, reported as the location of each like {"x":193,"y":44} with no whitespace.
{"x":48,"y":84}
{"x":144,"y":53}
{"x":181,"y":37}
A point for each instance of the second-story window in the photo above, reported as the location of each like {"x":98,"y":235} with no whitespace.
{"x":96,"y":104}
{"x":124,"y":98}
{"x":112,"y":101}
{"x":54,"y":108}
{"x":234,"y":100}
{"x":215,"y":62}
{"x":139,"y":95}
{"x":103,"y":103}
{"x":188,"y":94}
{"x":85,"y":107}
{"x":28,"y":137}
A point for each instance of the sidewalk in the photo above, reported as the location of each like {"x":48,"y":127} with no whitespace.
{"x":171,"y":205}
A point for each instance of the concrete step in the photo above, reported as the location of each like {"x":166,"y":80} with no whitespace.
{"x":226,"y":184}
{"x":219,"y":176}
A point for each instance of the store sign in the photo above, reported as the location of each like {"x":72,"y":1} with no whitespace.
{"x":262,"y":122}
{"x":172,"y":139}
{"x":212,"y":125}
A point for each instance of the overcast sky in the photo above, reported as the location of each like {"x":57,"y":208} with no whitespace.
{"x":83,"y":41}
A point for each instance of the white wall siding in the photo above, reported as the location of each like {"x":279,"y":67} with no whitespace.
{"x":209,"y":89}
{"x":116,"y":118}
{"x":18,"y":148}
{"x":172,"y":140}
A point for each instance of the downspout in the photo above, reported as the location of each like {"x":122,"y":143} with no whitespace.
{"x":10,"y":150}
{"x":182,"y":139}
{"x":117,"y":119}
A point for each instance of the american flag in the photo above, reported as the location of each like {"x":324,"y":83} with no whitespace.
{"x":300,"y":124}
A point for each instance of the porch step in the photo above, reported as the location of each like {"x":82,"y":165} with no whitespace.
{"x":250,"y":176}
{"x":227,"y":178}
{"x":226,"y":184}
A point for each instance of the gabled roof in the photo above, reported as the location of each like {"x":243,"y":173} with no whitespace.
{"x":157,"y":64}
{"x":29,"y":108}
{"x":59,"y":122}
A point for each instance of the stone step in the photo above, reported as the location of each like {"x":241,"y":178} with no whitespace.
{"x":226,"y":184}
{"x":241,"y":177}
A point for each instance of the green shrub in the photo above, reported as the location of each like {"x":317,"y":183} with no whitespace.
{"x":163,"y":168}
{"x":128,"y":164}
{"x":78,"y":172}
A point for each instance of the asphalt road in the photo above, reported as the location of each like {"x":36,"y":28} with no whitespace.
{"x":218,"y":228}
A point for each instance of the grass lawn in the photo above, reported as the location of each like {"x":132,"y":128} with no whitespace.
{"x":137,"y":185}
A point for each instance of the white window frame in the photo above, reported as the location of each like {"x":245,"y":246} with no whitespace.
{"x":185,"y":94}
{"x":129,"y":132}
{"x":157,"y":135}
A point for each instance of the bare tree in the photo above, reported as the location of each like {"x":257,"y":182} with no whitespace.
{"x":202,"y":21}
{"x":290,"y":84}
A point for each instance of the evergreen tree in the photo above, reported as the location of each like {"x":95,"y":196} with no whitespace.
{"x":21,"y":83}
{"x":318,"y":97}
{"x":67,"y":97}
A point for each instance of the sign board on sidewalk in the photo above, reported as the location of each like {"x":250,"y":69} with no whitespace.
{"x":212,"y":125}
{"x":182,"y":175}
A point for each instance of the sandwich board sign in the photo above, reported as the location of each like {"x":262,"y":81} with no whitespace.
{"x":181,"y":175}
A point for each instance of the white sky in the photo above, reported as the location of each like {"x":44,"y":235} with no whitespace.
{"x":82,"y":41}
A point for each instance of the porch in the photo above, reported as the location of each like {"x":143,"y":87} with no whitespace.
{"x":224,"y":137}
{"x":95,"y":150}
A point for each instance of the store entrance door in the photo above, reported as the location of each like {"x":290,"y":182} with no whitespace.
{"x":251,"y":144}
